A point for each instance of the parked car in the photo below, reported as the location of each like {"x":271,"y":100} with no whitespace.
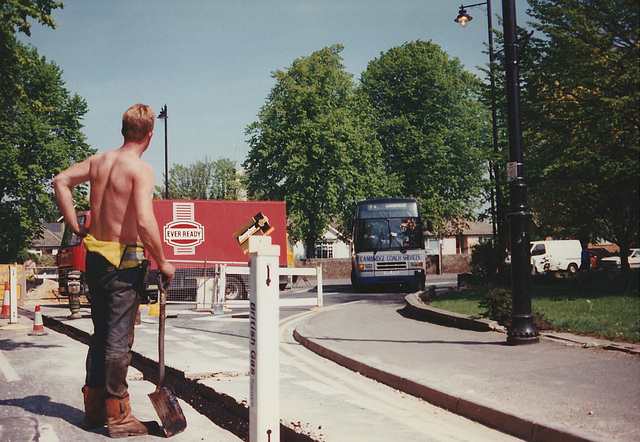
{"x":597,"y":254}
{"x":614,"y":261}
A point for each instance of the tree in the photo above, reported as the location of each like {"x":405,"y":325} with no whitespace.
{"x":14,"y":15}
{"x":227,"y":184}
{"x":314,"y":148}
{"x":204,"y":180}
{"x":582,"y":101}
{"x":434,"y":131}
{"x":40,"y":131}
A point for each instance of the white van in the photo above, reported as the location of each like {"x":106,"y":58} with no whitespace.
{"x":555,"y":255}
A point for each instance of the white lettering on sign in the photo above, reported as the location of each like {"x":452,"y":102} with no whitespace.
{"x":184,"y":233}
{"x":378,"y":258}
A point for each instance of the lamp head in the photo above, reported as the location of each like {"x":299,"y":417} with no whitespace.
{"x":463,"y":18}
{"x":163,"y":113}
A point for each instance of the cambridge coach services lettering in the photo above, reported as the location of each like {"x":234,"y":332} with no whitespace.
{"x":372,"y":258}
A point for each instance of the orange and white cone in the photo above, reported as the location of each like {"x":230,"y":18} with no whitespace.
{"x":6,"y":304}
{"x":38,"y":327}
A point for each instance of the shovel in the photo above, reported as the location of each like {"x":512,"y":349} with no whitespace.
{"x":163,"y":400}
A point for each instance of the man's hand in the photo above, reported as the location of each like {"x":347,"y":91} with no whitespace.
{"x":82,"y":231}
{"x":168,"y":271}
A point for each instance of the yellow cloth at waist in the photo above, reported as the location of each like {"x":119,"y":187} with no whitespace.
{"x":122,"y":256}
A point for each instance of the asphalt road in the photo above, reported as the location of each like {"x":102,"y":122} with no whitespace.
{"x":43,"y":375}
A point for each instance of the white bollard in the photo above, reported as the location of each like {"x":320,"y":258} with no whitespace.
{"x":264,"y":342}
{"x":319,"y":288}
{"x":221,"y":289}
{"x":13,"y":284}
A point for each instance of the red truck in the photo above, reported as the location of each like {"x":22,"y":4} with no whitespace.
{"x":196,"y":237}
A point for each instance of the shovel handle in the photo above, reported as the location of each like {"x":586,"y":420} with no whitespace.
{"x":162,"y":299}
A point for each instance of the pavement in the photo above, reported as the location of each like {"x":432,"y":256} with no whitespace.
{"x":564,"y":388}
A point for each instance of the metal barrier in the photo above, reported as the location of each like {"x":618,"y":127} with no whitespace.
{"x":192,"y":276}
{"x":43,"y":273}
{"x":307,"y":271}
{"x":200,"y":282}
{"x":39,"y":276}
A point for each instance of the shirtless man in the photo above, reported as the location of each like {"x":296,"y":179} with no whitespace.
{"x":122,"y":227}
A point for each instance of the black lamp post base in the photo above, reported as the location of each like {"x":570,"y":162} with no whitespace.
{"x":522,"y":331}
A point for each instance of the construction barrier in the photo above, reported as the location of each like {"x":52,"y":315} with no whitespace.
{"x":6,"y":303}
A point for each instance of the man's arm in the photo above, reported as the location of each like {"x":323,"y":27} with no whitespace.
{"x":63,"y":185}
{"x":147,"y":226}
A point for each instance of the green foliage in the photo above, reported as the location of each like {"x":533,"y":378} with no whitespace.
{"x":497,"y":306}
{"x":14,"y":18}
{"x":434,"y":131}
{"x":314,"y":148}
{"x":40,"y":130}
{"x":486,"y":260}
{"x":204,"y":180}
{"x":581,"y":101}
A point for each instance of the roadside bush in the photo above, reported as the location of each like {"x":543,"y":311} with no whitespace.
{"x":486,"y":260}
{"x":497,"y":306}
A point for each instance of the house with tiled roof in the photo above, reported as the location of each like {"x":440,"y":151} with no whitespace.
{"x":51,"y":239}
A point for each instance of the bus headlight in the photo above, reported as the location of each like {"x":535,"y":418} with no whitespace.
{"x":367,"y":266}
{"x":416,"y":264}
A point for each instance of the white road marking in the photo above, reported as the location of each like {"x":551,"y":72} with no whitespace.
{"x":318,"y":387}
{"x":237,"y":361}
{"x":214,"y":354}
{"x":190,"y":345}
{"x":9,"y":373}
{"x":295,"y":302}
{"x":226,"y":344}
{"x":182,"y":331}
{"x":47,"y":433}
{"x":203,"y":337}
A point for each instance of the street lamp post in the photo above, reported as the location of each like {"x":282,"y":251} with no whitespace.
{"x":163,"y":116}
{"x":522,"y":329}
{"x":496,"y":198}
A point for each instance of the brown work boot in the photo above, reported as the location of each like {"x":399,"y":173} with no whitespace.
{"x":95,"y":413}
{"x":121,"y":422}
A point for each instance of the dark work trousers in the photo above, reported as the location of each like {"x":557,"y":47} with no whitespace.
{"x":114,"y":307}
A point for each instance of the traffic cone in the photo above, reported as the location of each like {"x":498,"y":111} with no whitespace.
{"x":6,"y":304}
{"x":38,"y":327}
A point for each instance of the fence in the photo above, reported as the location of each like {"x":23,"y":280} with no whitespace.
{"x":197,"y":281}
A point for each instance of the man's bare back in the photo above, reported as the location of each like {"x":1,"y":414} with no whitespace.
{"x":112,"y":175}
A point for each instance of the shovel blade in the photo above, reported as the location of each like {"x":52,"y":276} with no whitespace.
{"x":169,"y":411}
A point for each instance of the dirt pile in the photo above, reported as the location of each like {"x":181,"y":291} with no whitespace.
{"x":47,"y":290}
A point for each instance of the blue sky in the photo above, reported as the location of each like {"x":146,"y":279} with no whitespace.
{"x":211,"y":61}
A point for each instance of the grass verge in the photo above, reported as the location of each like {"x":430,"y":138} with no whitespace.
{"x":602,"y":305}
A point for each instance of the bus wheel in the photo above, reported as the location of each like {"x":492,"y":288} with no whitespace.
{"x":234,"y":288}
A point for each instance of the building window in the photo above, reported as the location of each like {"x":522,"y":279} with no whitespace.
{"x":324,"y":249}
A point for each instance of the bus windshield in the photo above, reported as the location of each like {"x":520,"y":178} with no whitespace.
{"x":388,"y":234}
{"x":389,"y":224}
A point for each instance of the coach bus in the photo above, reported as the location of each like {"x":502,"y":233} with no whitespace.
{"x":388,"y":243}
